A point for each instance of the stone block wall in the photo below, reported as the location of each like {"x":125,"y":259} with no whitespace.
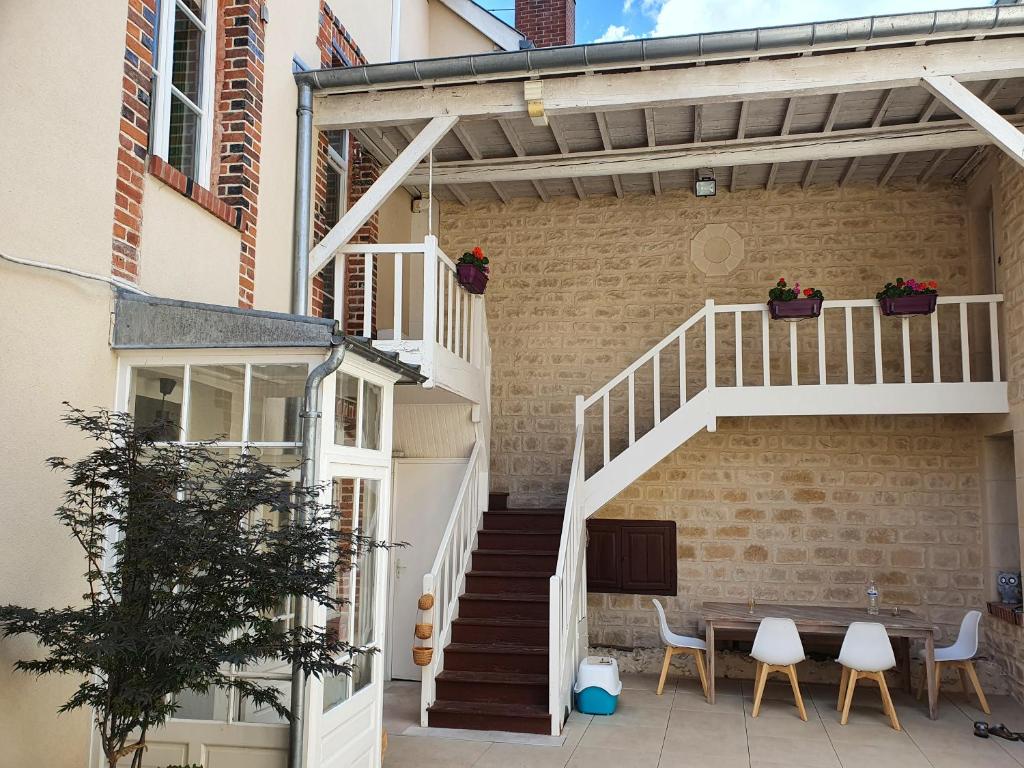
{"x":804,"y":509}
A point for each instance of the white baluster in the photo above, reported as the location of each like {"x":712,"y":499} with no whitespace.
{"x":657,"y":388}
{"x":766,"y":359}
{"x":965,"y":345}
{"x":709,"y":343}
{"x":739,"y":349}
{"x":398,"y":297}
{"x":822,"y":370}
{"x":431,"y":298}
{"x":876,"y":330}
{"x":448,"y":344}
{"x":607,"y":432}
{"x":682,"y":368}
{"x":936,"y":366}
{"x":630,"y":388}
{"x":794,"y":376}
{"x":850,"y":377}
{"x":906,"y":349}
{"x":457,"y":346}
{"x":368,"y":295}
{"x":993,"y":333}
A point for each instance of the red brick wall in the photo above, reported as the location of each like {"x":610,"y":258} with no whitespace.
{"x":547,"y":22}
{"x":333,"y":39}
{"x":232,"y":191}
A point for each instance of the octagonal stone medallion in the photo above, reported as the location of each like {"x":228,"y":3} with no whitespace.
{"x":717,"y":249}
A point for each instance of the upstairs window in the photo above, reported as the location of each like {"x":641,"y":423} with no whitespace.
{"x":183,"y":78}
{"x":358,"y":411}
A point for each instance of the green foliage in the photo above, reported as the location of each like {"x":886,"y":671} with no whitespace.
{"x":477,"y":259}
{"x":909,"y":287}
{"x":782,"y":292}
{"x":189,"y":553}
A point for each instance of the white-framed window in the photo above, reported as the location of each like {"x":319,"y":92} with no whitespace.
{"x":336,"y":199}
{"x":357,"y":413}
{"x":183,"y":85}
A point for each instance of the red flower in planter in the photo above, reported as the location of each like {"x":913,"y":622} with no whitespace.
{"x":478,"y":252}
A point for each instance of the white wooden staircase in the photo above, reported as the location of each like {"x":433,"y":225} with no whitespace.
{"x":732,"y":360}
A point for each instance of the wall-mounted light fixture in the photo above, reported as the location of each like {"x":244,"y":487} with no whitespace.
{"x":704,"y":183}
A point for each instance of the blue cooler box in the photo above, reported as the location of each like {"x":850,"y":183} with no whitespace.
{"x":597,"y":685}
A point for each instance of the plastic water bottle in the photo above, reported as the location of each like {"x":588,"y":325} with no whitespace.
{"x":872,"y":598}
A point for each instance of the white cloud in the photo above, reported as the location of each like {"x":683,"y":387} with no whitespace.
{"x":614,"y":33}
{"x":627,"y":6}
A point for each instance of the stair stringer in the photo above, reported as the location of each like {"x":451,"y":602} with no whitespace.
{"x":703,"y":411}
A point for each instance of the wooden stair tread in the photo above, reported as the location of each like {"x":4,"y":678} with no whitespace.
{"x":528,"y":511}
{"x":513,"y":574}
{"x":511,"y":596}
{"x":496,"y":678}
{"x":501,"y":621}
{"x":537,"y":552}
{"x":520,"y":532}
{"x":489,"y":708}
{"x":497,"y":648}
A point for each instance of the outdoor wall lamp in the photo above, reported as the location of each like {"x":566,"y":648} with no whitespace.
{"x":704,"y":183}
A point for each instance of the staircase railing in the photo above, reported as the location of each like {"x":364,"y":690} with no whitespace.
{"x":567,"y":631}
{"x":448,"y":573}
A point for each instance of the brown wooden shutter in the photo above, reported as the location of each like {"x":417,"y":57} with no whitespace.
{"x":631,"y":556}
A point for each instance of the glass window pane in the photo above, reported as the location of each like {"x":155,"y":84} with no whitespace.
{"x":155,"y":396}
{"x":183,"y":137}
{"x":276,"y":401}
{"x":372,"y":396}
{"x":335,"y":690}
{"x":215,"y":402}
{"x":346,"y":404}
{"x":282,"y":458}
{"x":196,"y":6}
{"x":365,"y":575}
{"x":187,"y":64}
{"x":343,"y":497}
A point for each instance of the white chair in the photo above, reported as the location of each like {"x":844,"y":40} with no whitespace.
{"x":674,"y":644}
{"x":866,"y":654}
{"x":777,"y":648}
{"x":960,"y":656}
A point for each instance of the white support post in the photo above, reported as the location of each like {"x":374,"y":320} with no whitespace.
{"x":440,"y":278}
{"x":822,"y":370}
{"x":850,"y":377}
{"x":876,"y":330}
{"x":739,"y":349}
{"x":340,"y":263}
{"x":457,"y":346}
{"x":398,"y":298}
{"x":657,"y":388}
{"x":965,"y":344}
{"x":766,"y":360}
{"x":450,"y":290}
{"x":993,"y":337}
{"x":631,"y":390}
{"x":430,"y":292}
{"x":979,"y":114}
{"x":936,"y":366}
{"x":794,"y":374}
{"x":390,"y":179}
{"x":709,"y":343}
{"x":905,"y":328}
{"x":368,"y":295}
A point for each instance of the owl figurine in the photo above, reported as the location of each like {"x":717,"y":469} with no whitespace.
{"x":1008,"y":584}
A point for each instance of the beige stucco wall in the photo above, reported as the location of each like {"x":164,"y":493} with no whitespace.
{"x":804,"y":509}
{"x":450,"y":35}
{"x":58,"y":144}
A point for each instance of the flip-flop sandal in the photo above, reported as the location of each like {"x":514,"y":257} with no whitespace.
{"x":981,"y":729}
{"x":1003,"y":732}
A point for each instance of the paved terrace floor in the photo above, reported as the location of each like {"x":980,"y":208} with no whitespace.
{"x":680,"y":729}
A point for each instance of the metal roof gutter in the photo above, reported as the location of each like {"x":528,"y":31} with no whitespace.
{"x":869,"y":30}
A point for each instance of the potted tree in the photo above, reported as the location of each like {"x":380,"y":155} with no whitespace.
{"x":188,"y":554}
{"x":473,"y":270}
{"x":786,"y":303}
{"x":908,"y":297}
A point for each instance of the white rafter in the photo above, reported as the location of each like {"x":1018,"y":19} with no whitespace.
{"x":830,"y":121}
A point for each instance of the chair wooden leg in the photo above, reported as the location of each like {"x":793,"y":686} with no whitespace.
{"x":964,"y":684}
{"x":887,"y":704}
{"x":791,"y":671}
{"x":698,"y":657}
{"x":969,"y":665}
{"x":664,"y":669}
{"x":849,"y":696}
{"x":762,"y":676}
{"x":844,"y":681}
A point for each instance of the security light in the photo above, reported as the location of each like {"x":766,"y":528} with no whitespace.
{"x":704,"y":183}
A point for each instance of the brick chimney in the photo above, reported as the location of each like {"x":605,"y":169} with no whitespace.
{"x":547,"y":22}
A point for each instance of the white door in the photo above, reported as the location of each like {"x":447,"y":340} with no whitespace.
{"x":424,"y":492}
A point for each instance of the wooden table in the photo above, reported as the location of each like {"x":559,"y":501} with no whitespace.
{"x":826,"y":620}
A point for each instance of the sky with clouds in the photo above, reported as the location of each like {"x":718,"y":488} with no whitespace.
{"x":603,"y":20}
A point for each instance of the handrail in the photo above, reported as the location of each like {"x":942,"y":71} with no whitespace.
{"x":448,"y":571}
{"x":837,"y":303}
{"x":567,"y":593}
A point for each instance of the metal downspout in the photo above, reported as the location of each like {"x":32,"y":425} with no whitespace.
{"x":303,"y":191}
{"x":311,"y":416}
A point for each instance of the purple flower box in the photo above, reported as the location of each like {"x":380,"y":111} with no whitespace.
{"x":797,"y":309}
{"x":471,"y":277}
{"x":917,"y":304}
